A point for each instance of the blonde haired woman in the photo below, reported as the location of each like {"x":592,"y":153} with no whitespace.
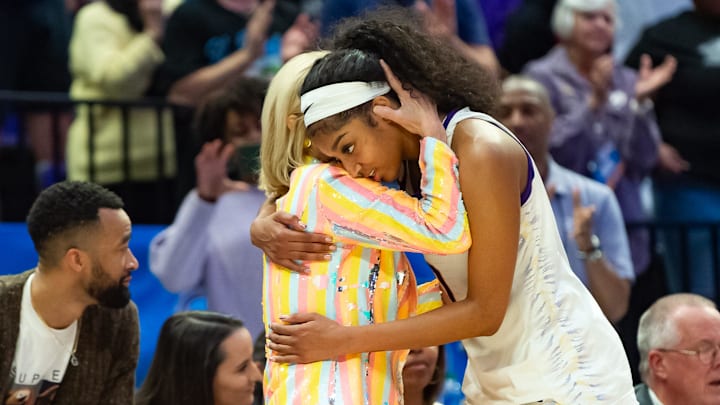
{"x":366,"y":280}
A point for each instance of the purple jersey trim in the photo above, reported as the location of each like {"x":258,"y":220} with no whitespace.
{"x":528,"y":187}
{"x":531,"y":172}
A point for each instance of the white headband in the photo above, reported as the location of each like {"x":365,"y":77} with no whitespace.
{"x":335,"y":98}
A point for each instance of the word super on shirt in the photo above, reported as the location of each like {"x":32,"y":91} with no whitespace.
{"x":41,"y":357}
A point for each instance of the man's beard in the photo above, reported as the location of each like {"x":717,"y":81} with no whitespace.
{"x":107,"y":292}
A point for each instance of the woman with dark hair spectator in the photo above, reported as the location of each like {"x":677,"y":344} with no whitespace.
{"x":423,"y":375}
{"x":114,"y":51}
{"x":531,"y":329}
{"x":201,"y":358}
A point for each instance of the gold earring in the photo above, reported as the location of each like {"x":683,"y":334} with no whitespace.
{"x":307,"y":143}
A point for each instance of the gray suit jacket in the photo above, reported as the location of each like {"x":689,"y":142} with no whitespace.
{"x":108,"y":348}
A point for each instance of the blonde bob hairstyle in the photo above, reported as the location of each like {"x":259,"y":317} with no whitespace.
{"x":563,"y":18}
{"x":283,"y":130}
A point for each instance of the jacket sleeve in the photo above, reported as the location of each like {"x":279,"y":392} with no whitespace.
{"x":178,"y":255}
{"x":120,"y":383}
{"x":362,"y":211}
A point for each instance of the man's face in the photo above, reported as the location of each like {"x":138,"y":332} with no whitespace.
{"x":528,"y":118}
{"x":242,"y":129}
{"x":593,"y":31}
{"x":689,"y":379}
{"x":112,"y":260}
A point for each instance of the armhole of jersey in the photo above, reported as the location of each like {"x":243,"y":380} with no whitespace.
{"x":525,"y":195}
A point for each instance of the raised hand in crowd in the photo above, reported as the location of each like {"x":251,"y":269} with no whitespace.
{"x":300,"y":37}
{"x":258,"y":27}
{"x":582,"y":223}
{"x":440,"y":17}
{"x":151,"y":13}
{"x":651,"y":79}
{"x":211,"y":171}
{"x":670,"y":160}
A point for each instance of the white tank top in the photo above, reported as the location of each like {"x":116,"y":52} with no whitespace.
{"x":554,"y":344}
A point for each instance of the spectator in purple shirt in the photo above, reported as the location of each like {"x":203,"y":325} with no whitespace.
{"x":605,"y":126}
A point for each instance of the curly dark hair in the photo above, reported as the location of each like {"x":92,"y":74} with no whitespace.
{"x":418,"y":59}
{"x":396,"y":35}
{"x":65,"y":207}
{"x":244,"y":95}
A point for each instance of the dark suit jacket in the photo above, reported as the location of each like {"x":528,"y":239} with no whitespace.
{"x":108,"y":348}
{"x":642,"y":394}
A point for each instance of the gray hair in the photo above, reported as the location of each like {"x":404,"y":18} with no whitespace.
{"x":563,"y":17}
{"x":658,"y":328}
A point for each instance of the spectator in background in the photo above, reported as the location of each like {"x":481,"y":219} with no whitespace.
{"x":687,"y":187}
{"x":586,"y":211}
{"x":528,"y":34}
{"x":207,"y":250}
{"x":201,"y":358}
{"x":460,"y":22}
{"x":114,"y":51}
{"x":679,"y":339}
{"x":423,"y":375}
{"x":604,"y":126}
{"x":210,"y":42}
{"x":68,"y":330}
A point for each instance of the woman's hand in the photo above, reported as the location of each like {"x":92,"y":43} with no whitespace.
{"x":417,"y":112}
{"x":305,"y":338}
{"x":257,"y":28}
{"x":282,"y":237}
{"x":300,"y":37}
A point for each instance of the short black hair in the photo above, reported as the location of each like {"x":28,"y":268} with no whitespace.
{"x":64,"y":207}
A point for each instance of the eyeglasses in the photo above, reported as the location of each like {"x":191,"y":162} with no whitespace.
{"x":706,"y":354}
